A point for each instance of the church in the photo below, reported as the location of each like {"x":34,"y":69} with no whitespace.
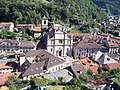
{"x":54,"y":38}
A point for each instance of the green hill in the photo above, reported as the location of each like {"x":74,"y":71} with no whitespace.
{"x":67,"y":11}
{"x":111,"y":6}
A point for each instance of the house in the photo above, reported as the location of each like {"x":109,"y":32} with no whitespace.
{"x":67,"y":75}
{"x":76,"y":69}
{"x":36,"y":31}
{"x":55,"y":39}
{"x":39,"y":62}
{"x":99,"y":84}
{"x":89,"y":65}
{"x":8,"y":67}
{"x":25,"y":26}
{"x":8,"y":45}
{"x":103,"y":58}
{"x":111,"y":66}
{"x":4,"y":77}
{"x":86,"y":49}
{"x":112,"y":47}
{"x":7,"y":25}
{"x":117,"y":32}
{"x":114,"y":19}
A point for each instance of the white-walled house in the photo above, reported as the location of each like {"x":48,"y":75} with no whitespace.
{"x":39,"y":62}
{"x":85,"y":49}
{"x":8,"y":45}
{"x":8,"y":67}
{"x":7,"y":25}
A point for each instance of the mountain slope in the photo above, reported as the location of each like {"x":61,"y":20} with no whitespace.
{"x":112,"y":6}
{"x":67,"y":11}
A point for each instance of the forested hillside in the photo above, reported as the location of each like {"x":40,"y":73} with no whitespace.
{"x":67,"y":11}
{"x":112,"y":6}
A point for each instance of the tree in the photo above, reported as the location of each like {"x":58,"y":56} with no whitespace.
{"x":35,"y":82}
{"x":116,"y":75}
{"x":14,"y":83}
{"x":99,"y":70}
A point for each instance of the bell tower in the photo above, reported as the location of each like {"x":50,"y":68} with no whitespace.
{"x":44,"y":23}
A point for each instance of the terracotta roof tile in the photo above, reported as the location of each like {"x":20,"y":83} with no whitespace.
{"x":89,"y":65}
{"x":79,"y":34}
{"x":25,"y":25}
{"x":4,"y":77}
{"x":111,"y":44}
{"x":4,"y":66}
{"x":97,"y":82}
{"x":113,"y":65}
{"x":6,"y":23}
{"x":36,"y":29}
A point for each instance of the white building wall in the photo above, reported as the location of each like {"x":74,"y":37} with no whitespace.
{"x":9,"y":70}
{"x":61,"y":42}
{"x":12,"y":27}
{"x":55,"y":68}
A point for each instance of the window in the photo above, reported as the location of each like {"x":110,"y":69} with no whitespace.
{"x":51,"y":49}
{"x":42,"y":55}
{"x":60,"y":41}
{"x":61,"y":66}
{"x":44,"y":22}
{"x":53,"y":69}
{"x":108,"y":59}
{"x":56,"y":68}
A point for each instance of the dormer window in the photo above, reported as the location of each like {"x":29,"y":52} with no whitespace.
{"x":36,"y":68}
{"x":108,"y":59}
{"x":42,"y":55}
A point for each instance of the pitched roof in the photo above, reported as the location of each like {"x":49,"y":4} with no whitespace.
{"x":76,"y":69}
{"x":79,"y":34}
{"x":112,"y":65}
{"x":89,"y":65}
{"x":35,"y":68}
{"x":117,"y":31}
{"x":6,"y":23}
{"x":21,"y":43}
{"x":36,"y":29}
{"x":4,"y":77}
{"x":111,"y":44}
{"x":97,"y":82}
{"x":9,"y":41}
{"x":24,"y":43}
{"x":88,"y":45}
{"x":67,"y":75}
{"x":44,"y":54}
{"x":45,"y":18}
{"x":105,"y":59}
{"x":47,"y":60}
{"x":25,"y":25}
{"x":4,"y":66}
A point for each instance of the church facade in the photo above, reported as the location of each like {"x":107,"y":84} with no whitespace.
{"x":55,"y":39}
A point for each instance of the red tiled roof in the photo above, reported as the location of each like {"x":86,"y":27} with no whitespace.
{"x":117,"y":31}
{"x":36,"y":29}
{"x":4,"y":77}
{"x":23,"y":25}
{"x":4,"y":66}
{"x":97,"y":82}
{"x":89,"y":65}
{"x":115,"y":39}
{"x":113,"y":65}
{"x":111,"y":44}
{"x":78,"y":34}
{"x":6,"y":23}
